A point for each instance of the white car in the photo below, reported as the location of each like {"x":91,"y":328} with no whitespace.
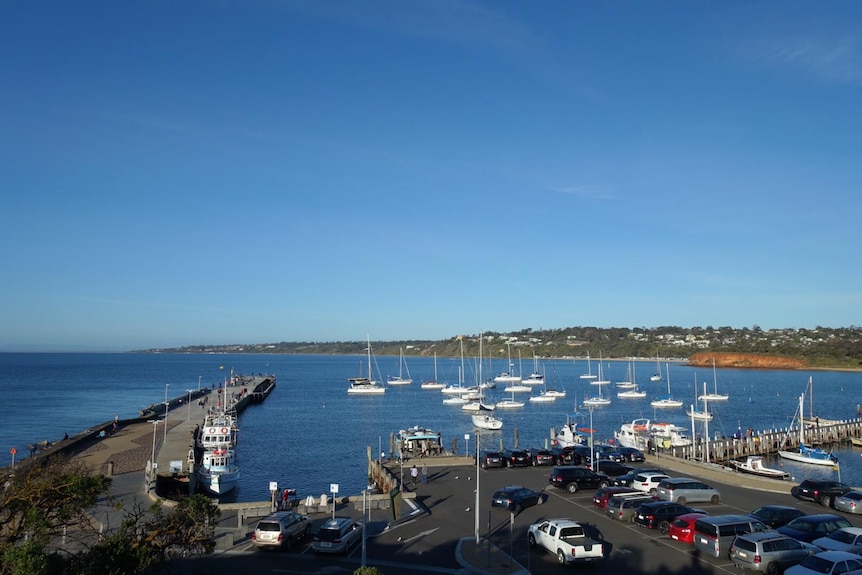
{"x":845,"y":539}
{"x":648,"y":482}
{"x":828,"y":563}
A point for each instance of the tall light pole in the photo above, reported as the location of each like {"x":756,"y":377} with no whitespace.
{"x":189,"y":416}
{"x":477,"y":487}
{"x":199,"y":382}
{"x":592,"y":444}
{"x":167,"y":385}
{"x":153,"y":464}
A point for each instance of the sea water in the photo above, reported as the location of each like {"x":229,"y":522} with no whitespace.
{"x":310,"y":434}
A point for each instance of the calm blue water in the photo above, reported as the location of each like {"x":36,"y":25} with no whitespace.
{"x":310,"y":433}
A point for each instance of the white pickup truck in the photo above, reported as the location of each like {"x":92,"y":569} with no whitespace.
{"x":566,"y":539}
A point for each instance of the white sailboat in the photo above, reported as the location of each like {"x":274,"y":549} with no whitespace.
{"x":363,"y":385}
{"x":402,"y":366}
{"x":537,"y":377}
{"x":600,"y":380}
{"x":589,"y":374}
{"x":628,"y":382}
{"x":433,"y":383}
{"x":715,"y":396}
{"x":657,"y":375}
{"x":504,"y":403}
{"x":696,"y":414}
{"x":804,"y":453}
{"x":667,"y":400}
{"x":598,"y":400}
{"x":631,"y":386}
{"x":486,"y":421}
{"x":509,"y":376}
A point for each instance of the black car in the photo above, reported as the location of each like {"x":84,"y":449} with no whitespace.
{"x":624,"y":454}
{"x":810,"y":527}
{"x":516,"y":497}
{"x":776,"y":515}
{"x":565,"y":456}
{"x":626,"y":479}
{"x":491,"y":459}
{"x":822,"y":491}
{"x":573,"y":478}
{"x":611,"y":468}
{"x":660,"y":514}
{"x":539,"y":456}
{"x":516,"y":458}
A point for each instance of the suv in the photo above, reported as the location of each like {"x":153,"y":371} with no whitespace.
{"x":623,"y":507}
{"x":623,"y":454}
{"x":539,"y":456}
{"x":768,"y":551}
{"x":682,"y":489}
{"x":603,"y":494}
{"x":516,"y":457}
{"x":573,"y":478}
{"x":823,"y":492}
{"x":516,"y":497}
{"x":491,"y":459}
{"x":659,"y":514}
{"x":626,"y":480}
{"x":648,"y":482}
{"x":280,"y":529}
{"x":337,"y":535}
{"x":714,"y":535}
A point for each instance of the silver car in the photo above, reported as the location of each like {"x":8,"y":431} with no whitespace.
{"x":850,"y":502}
{"x":337,"y":535}
{"x":684,"y":490}
{"x":769,"y":551}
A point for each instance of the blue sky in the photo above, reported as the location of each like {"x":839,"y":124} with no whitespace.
{"x":198,"y":172}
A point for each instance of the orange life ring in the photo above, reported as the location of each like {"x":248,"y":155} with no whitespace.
{"x":224,"y":430}
{"x":212,"y":430}
{"x":640,"y":427}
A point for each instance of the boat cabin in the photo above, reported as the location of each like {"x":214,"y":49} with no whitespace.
{"x":419,"y":442}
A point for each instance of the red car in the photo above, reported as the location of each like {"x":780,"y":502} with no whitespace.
{"x":604,"y":494}
{"x":682,"y":528}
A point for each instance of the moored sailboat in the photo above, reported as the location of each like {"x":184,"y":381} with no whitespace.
{"x":804,"y":453}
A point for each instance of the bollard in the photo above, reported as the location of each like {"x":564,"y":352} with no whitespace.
{"x":110,"y":469}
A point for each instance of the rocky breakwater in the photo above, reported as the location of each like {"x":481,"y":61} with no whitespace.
{"x":746,"y":360}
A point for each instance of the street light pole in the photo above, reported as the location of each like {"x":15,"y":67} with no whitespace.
{"x":477,"y":486}
{"x":199,"y":382}
{"x":167,"y":385}
{"x":189,"y":416}
{"x":153,"y":464}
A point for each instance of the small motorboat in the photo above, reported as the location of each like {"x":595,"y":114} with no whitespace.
{"x":753,"y":464}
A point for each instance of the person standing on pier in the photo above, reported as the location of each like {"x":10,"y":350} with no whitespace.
{"x":424,"y":472}
{"x":414,"y":473}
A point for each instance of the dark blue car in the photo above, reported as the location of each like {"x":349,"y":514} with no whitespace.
{"x":810,"y":527}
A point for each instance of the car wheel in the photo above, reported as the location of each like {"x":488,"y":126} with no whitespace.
{"x":484,"y":465}
{"x":603,"y":484}
{"x":572,"y":487}
{"x":517,"y":508}
{"x":540,"y":499}
{"x":652,"y":491}
{"x":561,"y":557}
{"x":773,"y":568}
{"x":826,"y":500}
{"x":509,"y":464}
{"x":663,"y":527}
{"x":532,"y":539}
{"x":681,"y":500}
{"x":714,"y":499}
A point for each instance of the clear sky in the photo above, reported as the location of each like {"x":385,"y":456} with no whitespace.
{"x":247,"y":171}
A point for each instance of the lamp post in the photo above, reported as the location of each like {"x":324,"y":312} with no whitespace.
{"x":153,"y":464}
{"x":167,"y":385}
{"x":592,"y":444}
{"x":189,"y":416}
{"x":199,"y":382}
{"x":477,"y":487}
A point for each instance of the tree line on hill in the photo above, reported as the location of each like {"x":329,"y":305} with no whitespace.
{"x":818,"y":347}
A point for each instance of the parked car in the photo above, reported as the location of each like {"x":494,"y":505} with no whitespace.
{"x":684,"y":489}
{"x":516,"y":497}
{"x":810,"y":527}
{"x":682,"y":528}
{"x":539,"y":456}
{"x":610,"y":468}
{"x":516,"y":458}
{"x":624,"y":454}
{"x":626,"y":480}
{"x":337,"y":535}
{"x":573,"y":478}
{"x":714,"y":535}
{"x":565,"y":456}
{"x":491,"y":459}
{"x":623,"y":507}
{"x":822,"y":491}
{"x":604,"y":494}
{"x":850,"y":502}
{"x":280,"y":530}
{"x":828,"y":563}
{"x":769,"y":552}
{"x":845,"y":539}
{"x":659,"y":514}
{"x":776,"y":515}
{"x":648,"y":482}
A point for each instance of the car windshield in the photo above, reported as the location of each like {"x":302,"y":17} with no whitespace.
{"x":842,"y":536}
{"x":802,"y":525}
{"x":817,"y":564}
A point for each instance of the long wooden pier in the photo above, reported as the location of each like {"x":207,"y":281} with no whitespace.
{"x":768,"y":441}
